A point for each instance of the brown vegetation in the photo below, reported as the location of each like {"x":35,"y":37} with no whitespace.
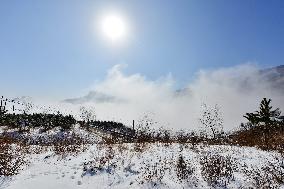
{"x":12,"y":157}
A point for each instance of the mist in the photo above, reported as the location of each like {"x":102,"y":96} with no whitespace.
{"x":236,"y":90}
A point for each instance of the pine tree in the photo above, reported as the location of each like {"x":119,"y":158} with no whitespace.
{"x":265,"y":115}
{"x":266,"y":118}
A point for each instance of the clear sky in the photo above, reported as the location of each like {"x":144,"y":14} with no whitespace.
{"x":55,"y":48}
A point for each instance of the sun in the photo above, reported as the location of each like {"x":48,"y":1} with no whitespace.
{"x":114,"y":27}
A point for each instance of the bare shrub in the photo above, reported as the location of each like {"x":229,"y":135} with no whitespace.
{"x":154,"y":173}
{"x":72,"y":145}
{"x":121,"y":148}
{"x":140,"y":146}
{"x":37,"y":149}
{"x":183,"y":169}
{"x":182,"y":137}
{"x":217,"y":170}
{"x":261,"y":136}
{"x":144,"y":131}
{"x":268,"y":176}
{"x":64,"y":150}
{"x":212,"y":120}
{"x":261,"y":178}
{"x":101,"y":162}
{"x":194,"y":139}
{"x":110,"y":139}
{"x":11,"y":157}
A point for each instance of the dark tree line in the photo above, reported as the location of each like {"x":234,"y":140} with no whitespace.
{"x":47,"y":121}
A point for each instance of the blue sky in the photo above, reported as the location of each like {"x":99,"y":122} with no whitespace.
{"x":52,"y":48}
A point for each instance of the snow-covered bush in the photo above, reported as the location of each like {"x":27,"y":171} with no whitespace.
{"x":140,"y":146}
{"x":103,"y":161}
{"x":270,"y":175}
{"x":212,"y":121}
{"x":217,"y":170}
{"x":72,"y":145}
{"x":184,"y":170}
{"x":155,"y":170}
{"x":11,"y":157}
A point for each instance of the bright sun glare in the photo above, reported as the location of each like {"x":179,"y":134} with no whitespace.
{"x":114,"y":27}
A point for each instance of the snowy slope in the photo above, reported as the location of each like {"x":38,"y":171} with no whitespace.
{"x":133,"y":166}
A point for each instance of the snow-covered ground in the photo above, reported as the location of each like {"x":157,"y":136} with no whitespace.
{"x":146,"y":166}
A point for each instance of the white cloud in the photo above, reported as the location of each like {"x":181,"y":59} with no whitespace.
{"x":236,"y":90}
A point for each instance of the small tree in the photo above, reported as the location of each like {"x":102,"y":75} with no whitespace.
{"x":211,"y":119}
{"x":87,"y":114}
{"x":3,"y":108}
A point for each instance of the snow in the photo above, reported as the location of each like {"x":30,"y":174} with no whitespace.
{"x":126,"y":167}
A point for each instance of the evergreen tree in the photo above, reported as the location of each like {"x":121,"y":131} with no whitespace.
{"x":265,"y":115}
{"x":265,"y":119}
